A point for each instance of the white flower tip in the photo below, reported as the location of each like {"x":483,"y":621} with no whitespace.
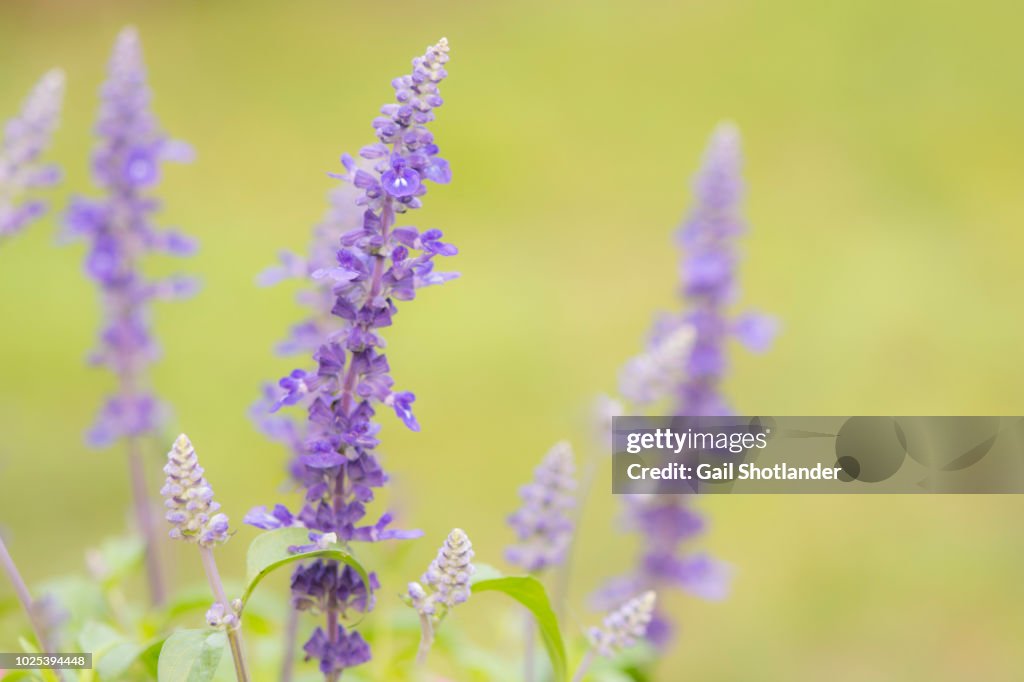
{"x":182,"y":443}
{"x":458,"y":536}
{"x":53,"y":80}
{"x":727,"y":131}
{"x":128,"y":34}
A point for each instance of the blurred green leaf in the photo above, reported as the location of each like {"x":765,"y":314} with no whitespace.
{"x":119,"y":557}
{"x":81,"y":598}
{"x":113,"y":653}
{"x":191,"y":656}
{"x":530,"y":592}
{"x":21,"y":676}
{"x":150,"y":656}
{"x":269,"y":551}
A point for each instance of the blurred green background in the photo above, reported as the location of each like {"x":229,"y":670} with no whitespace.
{"x":883,"y":143}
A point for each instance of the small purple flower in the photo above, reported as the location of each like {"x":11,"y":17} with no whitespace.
{"x":400,"y":180}
{"x":544,"y":524}
{"x":120,"y":230}
{"x":25,"y":138}
{"x":346,"y":650}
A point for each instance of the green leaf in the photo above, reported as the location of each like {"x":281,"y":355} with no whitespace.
{"x":191,"y":656}
{"x":150,"y":656}
{"x":112,"y":652}
{"x":269,"y":551}
{"x":22,"y":676}
{"x":119,"y":557}
{"x":530,"y":592}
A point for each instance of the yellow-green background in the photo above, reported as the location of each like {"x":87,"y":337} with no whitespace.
{"x":884,"y":152}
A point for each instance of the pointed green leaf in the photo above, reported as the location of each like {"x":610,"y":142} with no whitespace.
{"x":530,"y":592}
{"x":191,"y":656}
{"x":269,"y":551}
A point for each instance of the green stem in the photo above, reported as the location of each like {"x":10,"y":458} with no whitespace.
{"x":235,"y":633}
{"x":585,"y":664}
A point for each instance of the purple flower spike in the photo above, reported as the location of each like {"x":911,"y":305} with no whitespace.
{"x":544,"y":524}
{"x":362,"y":263}
{"x":25,"y":138}
{"x":709,"y":277}
{"x":120,"y":230}
{"x":683,"y":366}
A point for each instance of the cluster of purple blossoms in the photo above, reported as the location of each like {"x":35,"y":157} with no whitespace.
{"x":120,"y":231}
{"x":709,"y":279}
{"x":684,"y":364}
{"x":378,"y":263}
{"x":25,"y":138}
{"x":544,"y":523}
{"x":318,"y":297}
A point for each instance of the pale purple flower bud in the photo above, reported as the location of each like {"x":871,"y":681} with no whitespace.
{"x":623,"y":626}
{"x":191,"y":509}
{"x":225,"y":618}
{"x":544,"y":524}
{"x":25,"y":138}
{"x":652,"y":375}
{"x":448,"y":575}
{"x":419,"y":600}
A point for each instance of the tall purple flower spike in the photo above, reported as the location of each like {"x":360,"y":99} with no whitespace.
{"x":684,"y":364}
{"x":25,"y":138}
{"x":120,"y":230}
{"x":378,"y":264}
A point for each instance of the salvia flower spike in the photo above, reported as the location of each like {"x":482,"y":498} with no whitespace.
{"x":621,"y":629}
{"x":119,"y":230}
{"x":708,"y":237}
{"x":683,"y":366}
{"x":379,"y":263}
{"x":544,"y":523}
{"x":623,"y":626}
{"x":191,"y":510}
{"x":443,"y":586}
{"x":195,"y":517}
{"x":25,"y":138}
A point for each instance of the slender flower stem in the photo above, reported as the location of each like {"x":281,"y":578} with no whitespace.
{"x":25,"y":597}
{"x":426,"y":638}
{"x":332,"y":637}
{"x":146,"y":523}
{"x":291,"y":629}
{"x":585,"y":664}
{"x":234,"y":634}
{"x":563,"y":572}
{"x":529,"y":643}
